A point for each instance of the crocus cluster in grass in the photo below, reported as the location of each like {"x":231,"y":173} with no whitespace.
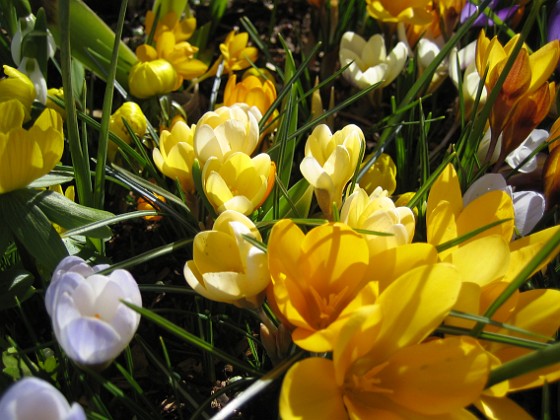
{"x":400,"y":302}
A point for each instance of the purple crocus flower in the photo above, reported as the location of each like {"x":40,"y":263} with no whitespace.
{"x":483,"y":20}
{"x":554,"y":23}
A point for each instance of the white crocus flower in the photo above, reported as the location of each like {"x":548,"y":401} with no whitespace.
{"x":330,"y":161}
{"x":525,"y":149}
{"x":369,"y":62}
{"x":89,"y":320}
{"x":518,"y":155}
{"x":33,"y":399}
{"x":464,"y":60}
{"x":226,"y":130}
{"x":528,"y":206}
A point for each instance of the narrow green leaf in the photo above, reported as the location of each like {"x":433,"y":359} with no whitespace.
{"x":191,"y":338}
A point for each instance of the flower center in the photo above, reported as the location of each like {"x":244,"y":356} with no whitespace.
{"x":367,"y":381}
{"x":328,"y":307}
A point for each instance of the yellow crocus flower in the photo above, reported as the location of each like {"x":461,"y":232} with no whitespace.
{"x":250,"y":90}
{"x":175,"y":155}
{"x":132,"y":113}
{"x":318,"y":279}
{"x":235,"y":52}
{"x":239,"y":183}
{"x":151,"y":78}
{"x":225,"y":266}
{"x":17,"y":86}
{"x":381,"y":366}
{"x":378,"y":213}
{"x":181,"y":29}
{"x":414,"y":11}
{"x":26,"y":155}
{"x":330,"y":161}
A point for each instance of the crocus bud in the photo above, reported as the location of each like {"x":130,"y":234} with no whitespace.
{"x":89,"y":320}
{"x":132,"y":113}
{"x":34,"y":398}
{"x":226,"y":267}
{"x":175,"y":155}
{"x":151,"y":78}
{"x":330,"y":161}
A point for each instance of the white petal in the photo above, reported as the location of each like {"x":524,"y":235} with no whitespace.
{"x":529,"y":209}
{"x":484,"y":184}
{"x":89,"y":341}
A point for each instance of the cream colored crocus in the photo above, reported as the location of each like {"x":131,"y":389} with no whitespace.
{"x":151,"y":78}
{"x":330,"y":161}
{"x":226,"y":130}
{"x":175,"y":155}
{"x":239,"y":183}
{"x":226,"y":267}
{"x":27,"y":154}
{"x":368,"y":61}
{"x":378,"y":213}
{"x":17,"y":86}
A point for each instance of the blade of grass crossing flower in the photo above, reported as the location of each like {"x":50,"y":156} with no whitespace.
{"x":525,"y":364}
{"x":103,"y":139}
{"x":153,"y":173}
{"x":459,"y":240}
{"x":191,"y":338}
{"x":495,"y":337}
{"x":80,"y":157}
{"x":521,"y":278}
{"x":509,"y":327}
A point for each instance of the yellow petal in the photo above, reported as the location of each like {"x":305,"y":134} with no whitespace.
{"x":490,"y":207}
{"x":471,"y":259}
{"x":309,"y":392}
{"x":445,"y":188}
{"x":543,"y":62}
{"x":524,"y":250}
{"x":437,"y":377}
{"x":215,"y":251}
{"x":501,"y":408}
{"x":414,"y":305}
{"x":390,"y":264}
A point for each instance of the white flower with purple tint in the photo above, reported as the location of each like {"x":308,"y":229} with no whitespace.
{"x":90,"y":322}
{"x":528,"y":206}
{"x":35,"y":399}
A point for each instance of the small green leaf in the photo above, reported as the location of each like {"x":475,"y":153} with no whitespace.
{"x":70,"y":215}
{"x":31,"y":228}
{"x":16,"y":285}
